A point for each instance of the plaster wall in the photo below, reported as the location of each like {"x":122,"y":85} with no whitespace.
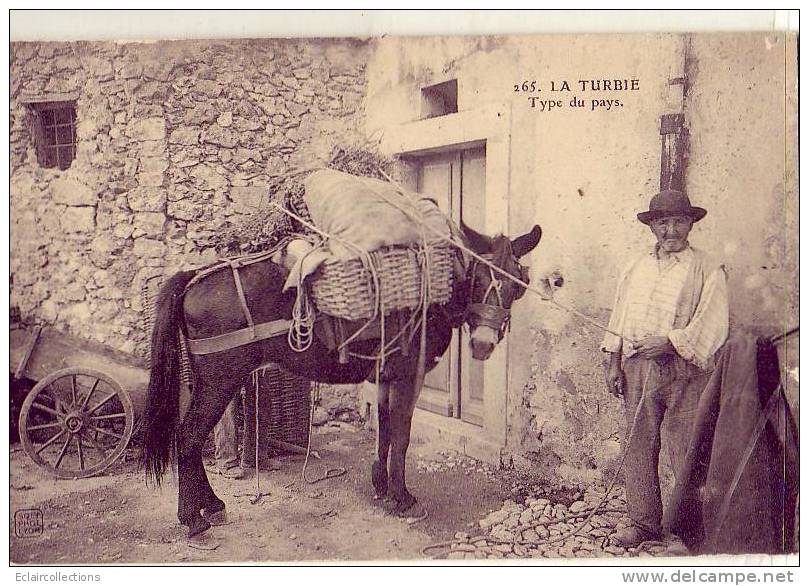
{"x":743,"y":116}
{"x":583,"y":174}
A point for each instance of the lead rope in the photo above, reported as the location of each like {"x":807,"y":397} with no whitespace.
{"x":330,"y":472}
{"x":495,"y":268}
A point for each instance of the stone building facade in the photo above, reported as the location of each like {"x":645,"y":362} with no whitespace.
{"x":174,"y":139}
{"x":177,"y":138}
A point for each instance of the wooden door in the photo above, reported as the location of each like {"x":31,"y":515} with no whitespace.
{"x":473,"y":186}
{"x":439,"y":177}
{"x":457,"y":180}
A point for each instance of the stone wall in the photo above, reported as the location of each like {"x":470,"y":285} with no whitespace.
{"x":174,"y":140}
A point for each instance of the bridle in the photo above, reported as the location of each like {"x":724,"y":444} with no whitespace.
{"x":493,"y":315}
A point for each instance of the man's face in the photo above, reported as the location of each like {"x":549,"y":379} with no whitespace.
{"x":672,"y":232}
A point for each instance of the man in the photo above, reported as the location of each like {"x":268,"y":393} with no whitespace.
{"x":226,"y":444}
{"x":671,"y":314}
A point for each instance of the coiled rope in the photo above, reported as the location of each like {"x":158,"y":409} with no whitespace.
{"x":300,"y":333}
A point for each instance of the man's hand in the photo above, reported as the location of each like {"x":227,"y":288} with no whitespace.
{"x":654,"y":347}
{"x":616,"y":380}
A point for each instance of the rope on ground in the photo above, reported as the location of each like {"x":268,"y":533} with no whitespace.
{"x":419,"y":519}
{"x":330,"y":472}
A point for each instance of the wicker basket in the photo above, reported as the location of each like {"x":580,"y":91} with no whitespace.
{"x":346,"y":288}
{"x":289,"y":396}
{"x":148,"y":298}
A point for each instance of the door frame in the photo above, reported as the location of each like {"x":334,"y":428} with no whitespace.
{"x":461,"y":394}
{"x":489,"y":125}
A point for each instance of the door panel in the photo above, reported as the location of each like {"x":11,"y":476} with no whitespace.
{"x":438,"y":177}
{"x":473,"y":187}
{"x":457,"y":181}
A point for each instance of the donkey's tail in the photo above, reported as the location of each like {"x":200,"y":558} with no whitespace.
{"x":163,"y":402}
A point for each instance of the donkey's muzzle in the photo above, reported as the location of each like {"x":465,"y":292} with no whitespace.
{"x":490,"y":316}
{"x":483,"y":341}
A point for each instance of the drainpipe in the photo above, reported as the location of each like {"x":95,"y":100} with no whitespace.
{"x":674,"y":143}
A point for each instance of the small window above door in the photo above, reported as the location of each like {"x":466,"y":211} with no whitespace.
{"x":439,"y":99}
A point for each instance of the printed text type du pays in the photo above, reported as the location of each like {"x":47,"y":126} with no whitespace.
{"x":560,"y":88}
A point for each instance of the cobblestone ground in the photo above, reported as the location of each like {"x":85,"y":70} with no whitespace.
{"x":541,"y":520}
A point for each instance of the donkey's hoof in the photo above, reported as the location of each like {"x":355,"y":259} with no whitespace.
{"x":218,"y":518}
{"x":197,"y":526}
{"x":405,"y":507}
{"x":204,"y":541}
{"x":399,"y":507}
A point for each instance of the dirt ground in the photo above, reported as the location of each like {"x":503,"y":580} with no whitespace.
{"x":117,"y":519}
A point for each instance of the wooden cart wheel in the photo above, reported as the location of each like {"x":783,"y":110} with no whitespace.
{"x":76,"y":422}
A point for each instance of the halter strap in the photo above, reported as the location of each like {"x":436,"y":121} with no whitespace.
{"x":481,"y":313}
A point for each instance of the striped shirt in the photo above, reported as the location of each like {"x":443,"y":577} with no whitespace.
{"x":647,"y":304}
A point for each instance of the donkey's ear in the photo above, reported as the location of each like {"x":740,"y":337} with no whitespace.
{"x":478,"y":242}
{"x":527,"y":242}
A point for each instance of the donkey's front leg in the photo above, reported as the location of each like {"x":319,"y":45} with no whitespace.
{"x":379,"y":469}
{"x":402,"y":402}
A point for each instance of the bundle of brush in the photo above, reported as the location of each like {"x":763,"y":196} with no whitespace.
{"x":264,"y":228}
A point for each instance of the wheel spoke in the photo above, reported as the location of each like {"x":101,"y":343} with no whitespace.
{"x":95,"y":445}
{"x":81,"y":452}
{"x":50,"y":441}
{"x":58,"y":404}
{"x":109,"y":433}
{"x":89,"y":394}
{"x":63,"y":451}
{"x":44,"y":426}
{"x":46,"y":409}
{"x":111,"y":416}
{"x":104,"y":402}
{"x":73,"y":389}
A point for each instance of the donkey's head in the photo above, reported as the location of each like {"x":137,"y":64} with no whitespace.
{"x":491,"y":294}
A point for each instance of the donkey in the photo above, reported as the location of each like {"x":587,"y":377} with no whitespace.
{"x":211,"y":306}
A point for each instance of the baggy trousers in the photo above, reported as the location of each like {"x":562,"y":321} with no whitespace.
{"x":225,"y":439}
{"x":670,"y":388}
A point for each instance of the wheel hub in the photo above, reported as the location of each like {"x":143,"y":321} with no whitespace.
{"x":74,"y":422}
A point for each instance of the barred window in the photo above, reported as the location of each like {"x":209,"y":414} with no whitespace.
{"x":54,"y":133}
